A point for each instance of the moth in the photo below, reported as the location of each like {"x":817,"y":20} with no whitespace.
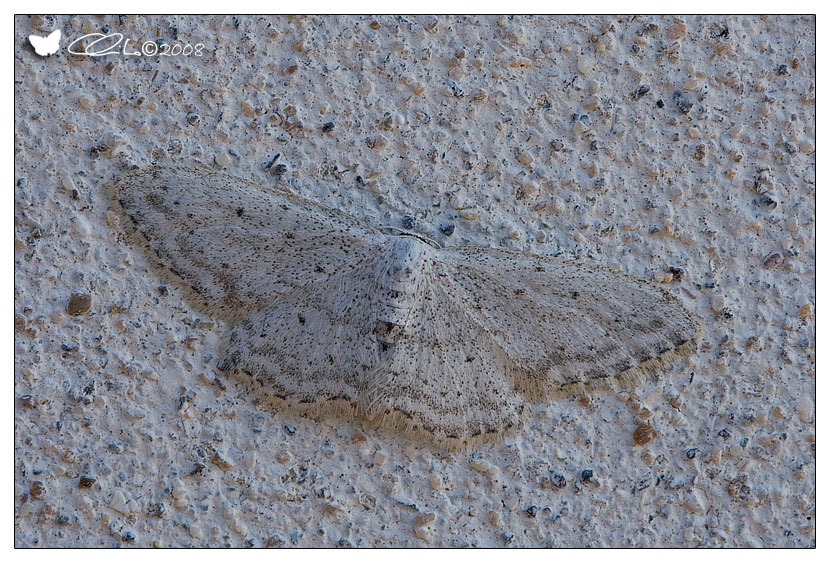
{"x":336,"y":317}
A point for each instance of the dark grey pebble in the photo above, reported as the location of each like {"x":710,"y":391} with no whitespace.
{"x":175,"y":147}
{"x":408,"y":222}
{"x":783,"y":70}
{"x":62,"y":520}
{"x":531,"y":511}
{"x":157,"y":509}
{"x":724,"y":433}
{"x":98,"y":150}
{"x":660,"y":103}
{"x":128,"y":536}
{"x":192,"y":118}
{"x":448,"y":229}
{"x":678,"y":273}
{"x":557,"y":479}
{"x":290,"y":429}
{"x":328,"y":127}
{"x":768,"y":201}
{"x":684,"y":103}
{"x":116,"y":448}
{"x":272,"y":161}
{"x":641,"y":91}
{"x":586,"y":475}
{"x":691,"y":453}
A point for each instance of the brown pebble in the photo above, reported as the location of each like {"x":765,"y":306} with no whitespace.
{"x":37,"y":490}
{"x":79,"y":303}
{"x":424,"y":519}
{"x":644,"y":434}
{"x":773,"y":261}
{"x":677,"y":31}
{"x":86,"y":482}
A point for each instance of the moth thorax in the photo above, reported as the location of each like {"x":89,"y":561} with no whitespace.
{"x":403,"y":262}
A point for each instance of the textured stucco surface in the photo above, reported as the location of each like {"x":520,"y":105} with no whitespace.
{"x":680,"y":150}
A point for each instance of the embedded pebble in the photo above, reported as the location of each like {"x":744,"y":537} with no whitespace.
{"x":448,"y":229}
{"x":37,"y":490}
{"x":179,"y":489}
{"x":773,"y":261}
{"x":84,"y":503}
{"x":79,"y":303}
{"x":644,"y":433}
{"x":87,"y":102}
{"x":717,"y":303}
{"x":485,"y":467}
{"x":585,"y":64}
{"x":223,"y":160}
{"x":119,"y":503}
{"x":557,"y":479}
{"x":226,"y":459}
{"x":85,"y":482}
{"x":435,"y":482}
{"x":676,"y":31}
{"x":805,"y":410}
